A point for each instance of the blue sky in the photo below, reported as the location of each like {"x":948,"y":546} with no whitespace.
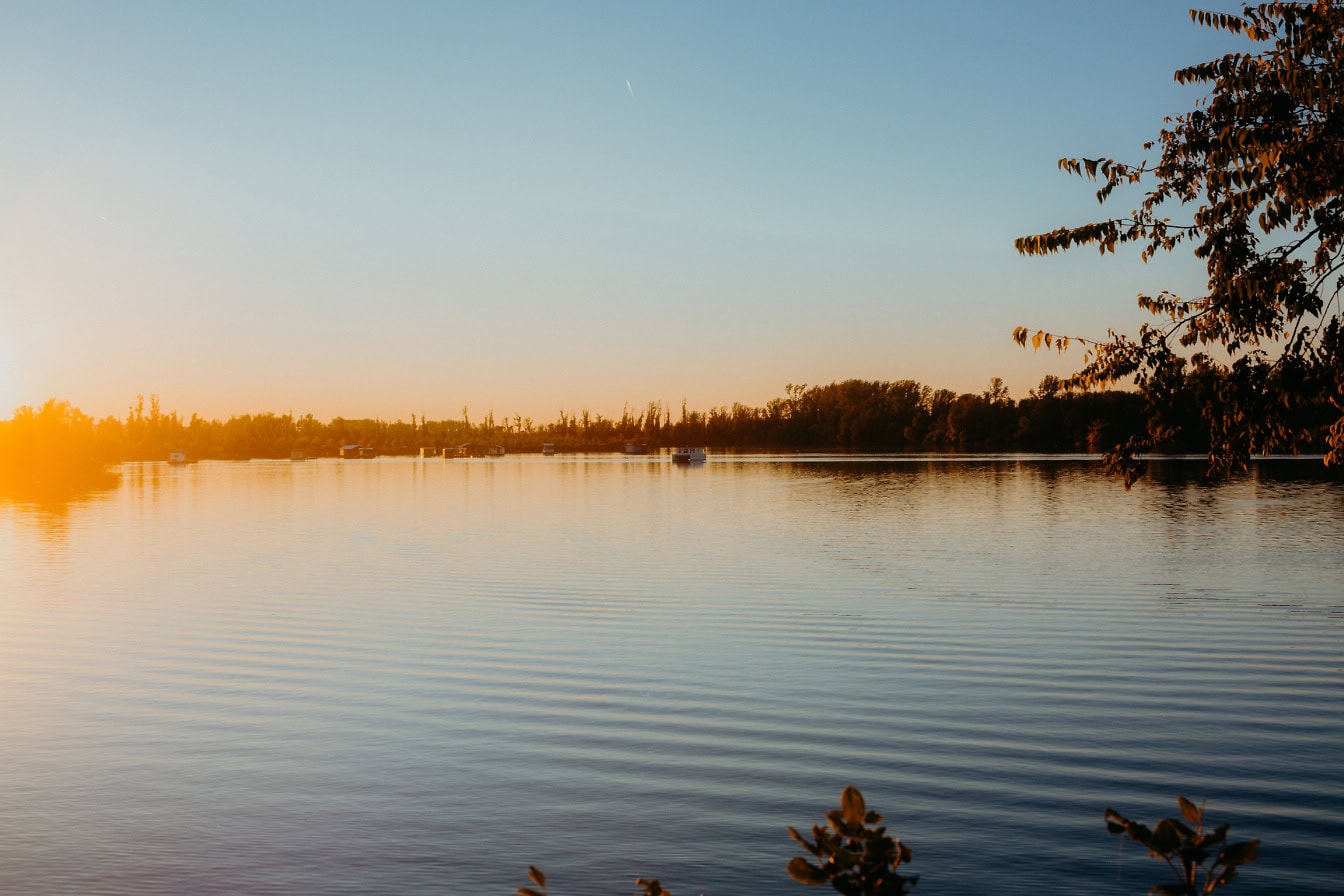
{"x":378,"y":209}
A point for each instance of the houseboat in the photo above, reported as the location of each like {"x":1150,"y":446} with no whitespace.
{"x":636,"y":448}
{"x":548,"y":449}
{"x":688,"y":455}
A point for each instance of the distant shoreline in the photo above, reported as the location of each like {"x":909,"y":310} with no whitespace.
{"x":853,"y":416}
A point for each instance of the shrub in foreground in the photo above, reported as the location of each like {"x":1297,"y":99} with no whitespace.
{"x":855,"y":855}
{"x":1202,"y":861}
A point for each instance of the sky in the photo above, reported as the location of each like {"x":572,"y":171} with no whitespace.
{"x":368,"y":209}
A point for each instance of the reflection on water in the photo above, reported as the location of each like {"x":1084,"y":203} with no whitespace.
{"x":49,"y":513}
{"x":46,"y":495}
{"x":420,"y":676}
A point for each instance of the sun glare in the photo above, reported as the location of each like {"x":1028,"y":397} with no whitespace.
{"x":9,"y":383}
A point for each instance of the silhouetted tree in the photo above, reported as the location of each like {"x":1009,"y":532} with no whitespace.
{"x":1262,"y":159}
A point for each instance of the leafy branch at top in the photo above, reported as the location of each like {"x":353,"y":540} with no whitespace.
{"x":1260,"y":161}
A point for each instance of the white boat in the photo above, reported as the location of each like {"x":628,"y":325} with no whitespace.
{"x":688,"y":455}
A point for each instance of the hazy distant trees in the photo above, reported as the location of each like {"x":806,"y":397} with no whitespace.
{"x":52,"y":452}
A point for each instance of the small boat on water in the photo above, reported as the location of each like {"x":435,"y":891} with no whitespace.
{"x":688,"y":455}
{"x":548,"y":449}
{"x":636,"y":448}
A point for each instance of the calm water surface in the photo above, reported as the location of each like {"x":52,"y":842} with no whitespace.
{"x":404,"y":676}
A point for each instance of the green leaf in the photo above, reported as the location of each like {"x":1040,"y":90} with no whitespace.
{"x":1166,"y":837}
{"x":1173,"y":890}
{"x":852,"y":805}
{"x":1240,"y":853}
{"x":805,"y":872}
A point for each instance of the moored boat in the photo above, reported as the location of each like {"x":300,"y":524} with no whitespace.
{"x":688,"y":455}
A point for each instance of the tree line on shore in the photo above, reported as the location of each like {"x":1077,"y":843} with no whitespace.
{"x":853,"y":415}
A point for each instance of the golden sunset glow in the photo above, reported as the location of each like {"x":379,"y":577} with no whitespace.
{"x":451,"y":445}
{"x":240,"y":211}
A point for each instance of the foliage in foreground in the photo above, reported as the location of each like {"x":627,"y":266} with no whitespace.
{"x":855,"y":855}
{"x":854,"y":858}
{"x":1262,"y":160}
{"x":1201,"y":860}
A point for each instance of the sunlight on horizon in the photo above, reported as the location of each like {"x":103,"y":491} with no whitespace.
{"x":10,"y":400}
{"x":443,"y":205}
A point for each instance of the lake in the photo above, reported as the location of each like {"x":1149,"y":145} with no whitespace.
{"x":403,"y":676}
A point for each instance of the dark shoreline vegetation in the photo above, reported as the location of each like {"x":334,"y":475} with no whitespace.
{"x":56,"y":450}
{"x":849,"y":416}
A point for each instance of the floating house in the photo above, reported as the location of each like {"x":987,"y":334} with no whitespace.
{"x":688,"y":456}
